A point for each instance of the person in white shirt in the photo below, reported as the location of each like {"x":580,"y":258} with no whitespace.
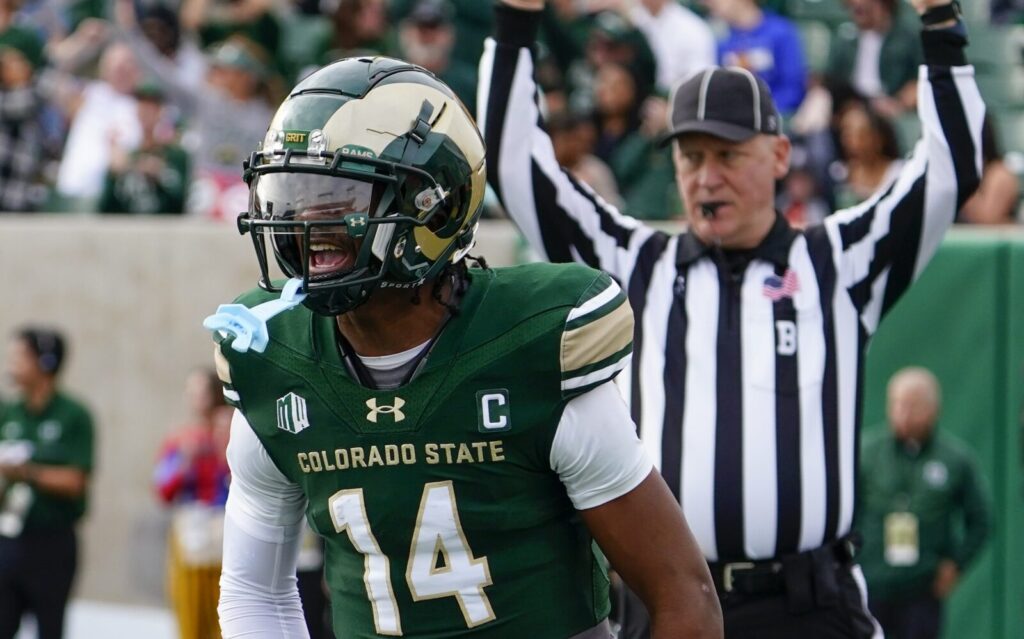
{"x":682,"y":41}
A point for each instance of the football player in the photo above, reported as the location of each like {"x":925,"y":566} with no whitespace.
{"x":451,"y":432}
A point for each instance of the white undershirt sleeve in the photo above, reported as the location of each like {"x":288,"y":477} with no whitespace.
{"x":596,"y":452}
{"x":259,"y":597}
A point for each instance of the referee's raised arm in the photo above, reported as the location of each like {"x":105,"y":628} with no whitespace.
{"x":750,"y":335}
{"x":563,"y":219}
{"x":883,"y":244}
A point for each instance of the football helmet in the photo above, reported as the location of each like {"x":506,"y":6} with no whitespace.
{"x":371,"y":174}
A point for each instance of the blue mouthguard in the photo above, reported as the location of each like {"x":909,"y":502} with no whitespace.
{"x":249,"y":325}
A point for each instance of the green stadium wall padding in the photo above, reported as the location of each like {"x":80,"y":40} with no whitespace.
{"x":964,"y":320}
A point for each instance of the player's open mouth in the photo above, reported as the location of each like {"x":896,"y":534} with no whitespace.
{"x":327,"y":257}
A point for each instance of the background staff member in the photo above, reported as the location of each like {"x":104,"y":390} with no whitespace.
{"x":924,"y":510}
{"x":750,"y":335}
{"x":46,"y":455}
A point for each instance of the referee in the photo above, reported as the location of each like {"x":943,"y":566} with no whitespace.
{"x":750,"y":335}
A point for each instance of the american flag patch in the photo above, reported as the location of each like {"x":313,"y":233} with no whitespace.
{"x":777,"y":288}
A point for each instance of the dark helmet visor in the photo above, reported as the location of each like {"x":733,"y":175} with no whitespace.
{"x":317,"y":199}
{"x":308,"y":196}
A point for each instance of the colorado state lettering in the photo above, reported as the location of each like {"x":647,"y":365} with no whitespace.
{"x":319,"y":461}
{"x":461,"y":453}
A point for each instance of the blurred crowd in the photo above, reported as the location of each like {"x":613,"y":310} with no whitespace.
{"x":151,"y":106}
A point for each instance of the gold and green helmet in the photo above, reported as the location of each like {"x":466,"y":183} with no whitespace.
{"x":371,"y":175}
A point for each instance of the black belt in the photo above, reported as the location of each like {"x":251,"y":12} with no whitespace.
{"x":807,"y":578}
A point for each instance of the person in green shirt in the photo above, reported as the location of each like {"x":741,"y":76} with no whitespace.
{"x":878,"y":54}
{"x":924,"y":512}
{"x":154,"y":177}
{"x":46,"y":456}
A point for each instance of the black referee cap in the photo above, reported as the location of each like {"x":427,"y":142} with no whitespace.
{"x":726,"y":102}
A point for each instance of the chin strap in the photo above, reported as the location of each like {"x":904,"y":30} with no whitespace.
{"x":249,"y":325}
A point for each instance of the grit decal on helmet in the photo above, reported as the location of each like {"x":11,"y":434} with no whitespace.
{"x":371,"y":174}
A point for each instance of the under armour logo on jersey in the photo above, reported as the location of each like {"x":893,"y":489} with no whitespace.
{"x":291,"y":413}
{"x":394,"y":410}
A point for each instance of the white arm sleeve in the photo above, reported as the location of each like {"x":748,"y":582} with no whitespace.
{"x":259,"y":596}
{"x":596,"y":452}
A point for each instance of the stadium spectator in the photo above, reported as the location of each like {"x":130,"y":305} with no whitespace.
{"x":924,"y":510}
{"x":81,"y":48}
{"x":46,"y":458}
{"x":222,"y":121}
{"x":215,"y":21}
{"x":471,"y":19}
{"x":157,"y":39}
{"x":750,"y":336}
{"x":995,"y":201}
{"x":224,"y":118}
{"x":613,"y":40}
{"x":46,"y":18}
{"x":426,"y":37}
{"x":191,"y":477}
{"x":361,"y":27}
{"x":154,"y":177}
{"x":877,"y":53}
{"x":104,"y":113}
{"x":799,"y":201}
{"x":617,"y":101}
{"x":766,"y":44}
{"x":572,"y":136}
{"x":682,"y":41}
{"x":629,"y":128}
{"x":566,"y":29}
{"x":869,"y":152}
{"x":23,"y":95}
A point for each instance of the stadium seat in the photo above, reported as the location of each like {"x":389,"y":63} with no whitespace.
{"x":994,"y":48}
{"x":304,"y":38}
{"x":816,"y":38}
{"x":1003,"y":88}
{"x":1009,"y":125}
{"x":830,"y":12}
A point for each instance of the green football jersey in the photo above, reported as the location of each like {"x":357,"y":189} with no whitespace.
{"x":60,"y":435}
{"x":441,"y":514}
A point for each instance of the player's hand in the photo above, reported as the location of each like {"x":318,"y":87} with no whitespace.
{"x":947,"y":574}
{"x":526,"y":5}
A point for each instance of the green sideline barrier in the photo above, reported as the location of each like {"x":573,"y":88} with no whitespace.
{"x":963,"y":320}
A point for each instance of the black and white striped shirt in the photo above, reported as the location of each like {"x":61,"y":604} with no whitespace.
{"x":750,"y":405}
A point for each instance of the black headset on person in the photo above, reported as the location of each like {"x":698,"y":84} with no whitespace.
{"x":47,"y":345}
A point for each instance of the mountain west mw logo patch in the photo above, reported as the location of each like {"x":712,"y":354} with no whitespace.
{"x":395,"y":410}
{"x":291,"y":413}
{"x":493,"y":411}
